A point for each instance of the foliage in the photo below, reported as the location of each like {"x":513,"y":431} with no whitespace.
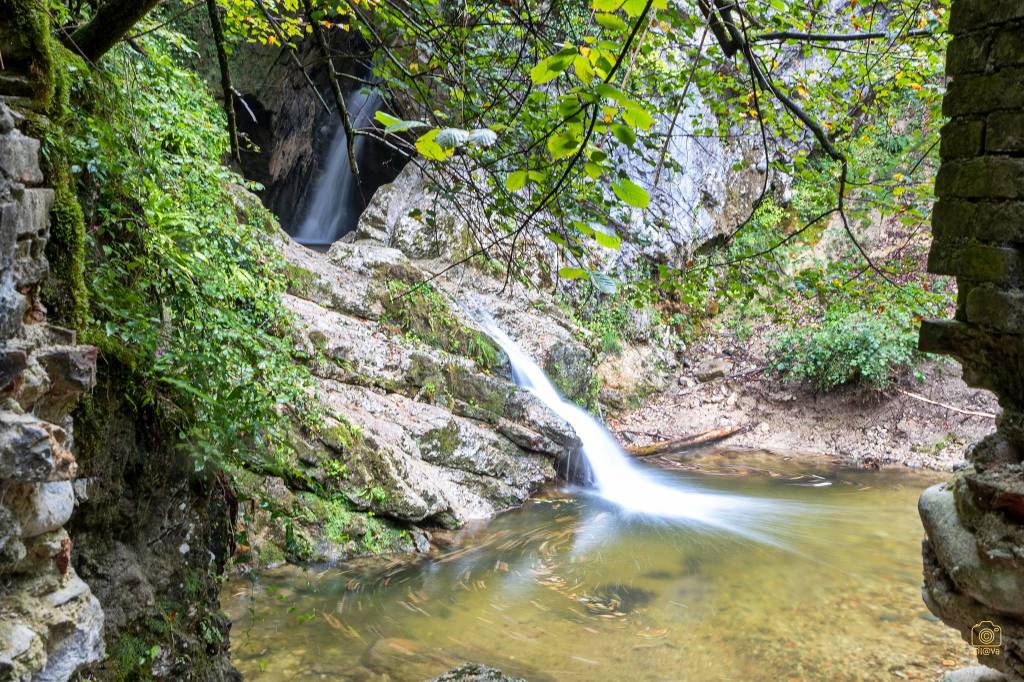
{"x":184,"y":292}
{"x":846,"y":349}
{"x":550,"y":112}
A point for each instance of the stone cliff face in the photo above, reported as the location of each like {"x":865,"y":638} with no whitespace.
{"x":974,"y":549}
{"x":50,"y":621}
{"x":422,"y":426}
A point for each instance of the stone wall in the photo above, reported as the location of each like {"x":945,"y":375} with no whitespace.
{"x":974,"y":549}
{"x":50,"y":622}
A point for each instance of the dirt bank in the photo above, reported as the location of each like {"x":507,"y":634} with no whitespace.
{"x":864,"y":428}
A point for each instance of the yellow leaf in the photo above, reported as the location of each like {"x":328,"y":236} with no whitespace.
{"x":428,"y":147}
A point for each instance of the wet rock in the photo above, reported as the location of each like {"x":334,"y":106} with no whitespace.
{"x":713,"y":368}
{"x":12,"y":363}
{"x":77,"y":631}
{"x":71,"y":371}
{"x":570,"y":368}
{"x":991,"y":581}
{"x":476,"y":672}
{"x":977,"y":673}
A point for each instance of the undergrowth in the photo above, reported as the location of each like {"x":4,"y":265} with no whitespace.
{"x":184,"y":291}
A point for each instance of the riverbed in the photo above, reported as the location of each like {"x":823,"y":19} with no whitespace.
{"x":570,"y":588}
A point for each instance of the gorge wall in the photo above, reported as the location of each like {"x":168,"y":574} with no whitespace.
{"x":974,"y":549}
{"x":50,"y":622}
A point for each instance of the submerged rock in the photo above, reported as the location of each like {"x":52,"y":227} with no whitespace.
{"x":476,"y":672}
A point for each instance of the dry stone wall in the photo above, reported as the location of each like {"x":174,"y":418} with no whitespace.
{"x":50,"y":622}
{"x":974,"y":549}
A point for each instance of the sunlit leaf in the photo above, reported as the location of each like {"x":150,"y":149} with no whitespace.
{"x":516,"y":181}
{"x":572,"y":273}
{"x":631,"y":193}
{"x":429,"y":148}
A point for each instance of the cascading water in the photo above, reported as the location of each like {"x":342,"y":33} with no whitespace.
{"x":337,"y":201}
{"x":638,"y":490}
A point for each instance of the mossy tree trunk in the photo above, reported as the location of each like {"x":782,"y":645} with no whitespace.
{"x":108,"y":26}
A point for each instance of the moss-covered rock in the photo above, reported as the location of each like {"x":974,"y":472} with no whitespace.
{"x":422,"y":312}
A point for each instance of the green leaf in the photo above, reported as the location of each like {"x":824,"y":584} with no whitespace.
{"x":556,"y":238}
{"x":385,"y":118}
{"x":516,"y":181}
{"x":606,"y":5}
{"x":636,"y":116}
{"x":604,"y":283}
{"x":429,"y":148}
{"x":482,"y":137}
{"x":593,"y":170}
{"x":623,"y":134}
{"x":563,"y":144}
{"x":611,"y":92}
{"x":606,"y":237}
{"x":402,"y":126}
{"x":631,"y":193}
{"x":583,"y":69}
{"x":572,"y":273}
{"x":451,"y":138}
{"x":551,"y":67}
{"x":612,"y":21}
{"x":634,"y":8}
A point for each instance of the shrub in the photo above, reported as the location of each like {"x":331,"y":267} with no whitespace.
{"x":859,"y":347}
{"x":185,"y":291}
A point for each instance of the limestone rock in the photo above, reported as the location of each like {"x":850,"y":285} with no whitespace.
{"x":977,"y":673}
{"x":990,"y":581}
{"x":713,"y":368}
{"x":29,"y":447}
{"x":41,"y":507}
{"x":571,"y":369}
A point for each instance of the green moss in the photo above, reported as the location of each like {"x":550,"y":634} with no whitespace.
{"x":131,"y":658}
{"x":382,"y":536}
{"x":442,"y":442}
{"x":423,"y":313}
{"x":343,"y":436}
{"x":482,"y":397}
{"x":300,"y":281}
{"x":64,"y":293}
{"x":27,"y":43}
{"x":337,"y":521}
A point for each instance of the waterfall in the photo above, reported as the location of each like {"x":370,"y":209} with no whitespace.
{"x":635,"y":489}
{"x":337,"y":201}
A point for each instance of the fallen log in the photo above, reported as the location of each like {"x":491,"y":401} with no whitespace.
{"x":677,"y":445}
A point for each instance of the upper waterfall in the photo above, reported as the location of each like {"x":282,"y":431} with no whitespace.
{"x":337,"y":197}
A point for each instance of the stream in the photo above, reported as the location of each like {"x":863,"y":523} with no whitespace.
{"x":570,"y":587}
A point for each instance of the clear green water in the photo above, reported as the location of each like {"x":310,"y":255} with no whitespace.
{"x":568,"y":589}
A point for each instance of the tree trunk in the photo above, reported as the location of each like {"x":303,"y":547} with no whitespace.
{"x":225,"y":79}
{"x":110,"y":23}
{"x":339,"y":97}
{"x":677,"y":445}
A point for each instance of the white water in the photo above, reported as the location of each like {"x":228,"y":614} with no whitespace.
{"x":337,"y":194}
{"x":637,"y":490}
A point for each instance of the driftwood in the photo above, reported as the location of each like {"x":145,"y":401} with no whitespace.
{"x":677,"y":445}
{"x":971,"y":413}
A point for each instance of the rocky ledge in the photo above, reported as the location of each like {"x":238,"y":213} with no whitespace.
{"x":419,"y":423}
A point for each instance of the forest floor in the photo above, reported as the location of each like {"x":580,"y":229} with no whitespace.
{"x":857,"y":426}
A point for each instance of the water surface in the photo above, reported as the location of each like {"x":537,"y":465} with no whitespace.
{"x":570,"y":588}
